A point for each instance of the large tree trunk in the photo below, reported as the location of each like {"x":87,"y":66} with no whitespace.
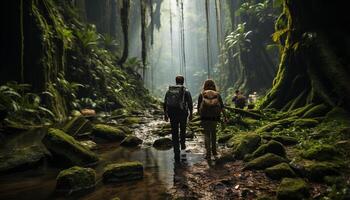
{"x":314,"y":67}
{"x":124,"y":15}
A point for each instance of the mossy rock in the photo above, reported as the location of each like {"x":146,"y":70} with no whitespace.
{"x":89,"y":144}
{"x":285,"y":140}
{"x":126,"y":129}
{"x":121,"y":172}
{"x":321,"y":152}
{"x":108,"y":132}
{"x":132,"y":121}
{"x":163,"y":143}
{"x":247,"y":145}
{"x":265,"y":161}
{"x":293,"y":189}
{"x":131,"y":141}
{"x":316,"y":111}
{"x":282,"y":170}
{"x":318,"y":170}
{"x":78,"y":126}
{"x":65,"y":148}
{"x":308,"y":123}
{"x":75,"y":179}
{"x":22,"y":158}
{"x":271,"y":147}
{"x":224,"y":138}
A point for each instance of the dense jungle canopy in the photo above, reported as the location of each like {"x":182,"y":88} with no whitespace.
{"x":82,"y":84}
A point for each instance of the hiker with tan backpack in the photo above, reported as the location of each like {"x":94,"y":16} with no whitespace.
{"x":210,"y":107}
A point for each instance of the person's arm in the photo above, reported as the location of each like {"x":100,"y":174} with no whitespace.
{"x":165,"y":109}
{"x":190,"y":104}
{"x":200,"y":99}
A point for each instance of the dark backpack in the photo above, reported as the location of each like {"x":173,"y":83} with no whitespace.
{"x":210,"y":106}
{"x":175,"y":98}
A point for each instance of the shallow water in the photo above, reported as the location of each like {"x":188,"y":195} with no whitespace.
{"x":159,"y":172}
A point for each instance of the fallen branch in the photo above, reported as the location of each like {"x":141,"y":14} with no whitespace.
{"x":245,"y":113}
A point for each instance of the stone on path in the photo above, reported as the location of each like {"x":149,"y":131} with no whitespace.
{"x":120,"y":172}
{"x":75,"y":179}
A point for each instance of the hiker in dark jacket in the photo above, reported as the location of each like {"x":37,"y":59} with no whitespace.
{"x":210,"y":107}
{"x":178,"y":107}
{"x":239,"y":100}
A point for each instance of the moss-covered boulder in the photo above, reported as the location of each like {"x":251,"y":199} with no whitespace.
{"x":132,"y":121}
{"x":108,"y":132}
{"x":318,"y":170}
{"x":271,"y":147}
{"x":282,"y":170}
{"x":126,"y":129}
{"x":321,"y":152}
{"x":65,"y":148}
{"x":22,"y":158}
{"x":131,"y":141}
{"x":265,"y":161}
{"x":78,"y":126}
{"x":224,"y":138}
{"x":308,"y":123}
{"x":120,"y":172}
{"x":89,"y":144}
{"x":285,"y":140}
{"x":292,"y":189}
{"x":248,"y":144}
{"x":163,"y":143}
{"x":75,"y":179}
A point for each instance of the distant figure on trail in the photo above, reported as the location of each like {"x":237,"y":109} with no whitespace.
{"x":178,"y":107}
{"x":252,"y":98}
{"x":239,"y":99}
{"x":210,"y":107}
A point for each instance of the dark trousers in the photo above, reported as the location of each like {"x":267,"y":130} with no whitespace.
{"x":176,"y":123}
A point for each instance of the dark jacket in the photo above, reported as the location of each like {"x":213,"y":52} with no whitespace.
{"x":179,"y":112}
{"x":200,"y":99}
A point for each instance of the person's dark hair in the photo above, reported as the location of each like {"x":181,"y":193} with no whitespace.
{"x":209,"y":85}
{"x":237,"y":91}
{"x":179,"y":79}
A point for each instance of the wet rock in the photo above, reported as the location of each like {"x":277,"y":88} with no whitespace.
{"x":89,"y":144}
{"x":306,"y":123}
{"x":121,"y":172}
{"x":280,"y":171}
{"x":224,"y":138}
{"x":65,"y":148}
{"x":292,"y":189}
{"x":163,"y":143}
{"x":75,"y":179}
{"x":132,"y":121}
{"x":271,"y":147}
{"x":22,"y":158}
{"x":78,"y":126}
{"x":265,"y":161}
{"x":88,"y":112}
{"x":126,"y":129}
{"x":321,"y":152}
{"x":247,"y":145}
{"x":108,"y":132}
{"x":131,"y":141}
{"x":318,"y":170}
{"x":225,"y":158}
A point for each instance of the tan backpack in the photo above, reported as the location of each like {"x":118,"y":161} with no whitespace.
{"x":210,"y":106}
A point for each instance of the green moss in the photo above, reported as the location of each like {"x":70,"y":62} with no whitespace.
{"x":265,"y":161}
{"x":338,"y":114}
{"x":321,"y":152}
{"x":67,"y":147}
{"x":108,"y":132}
{"x":285,"y":140}
{"x":283,"y":122}
{"x":123,"y":172}
{"x":318,"y":170}
{"x":317,"y":111}
{"x":280,"y":171}
{"x":77,"y":126}
{"x":292,"y":189}
{"x":75,"y":179}
{"x":247,"y":144}
{"x":271,"y":147}
{"x":131,"y":141}
{"x":306,"y":123}
{"x":224,"y":138}
{"x":132,"y":120}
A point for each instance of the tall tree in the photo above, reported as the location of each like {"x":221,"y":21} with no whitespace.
{"x":208,"y":36}
{"x":124,"y":16}
{"x":143,"y":37}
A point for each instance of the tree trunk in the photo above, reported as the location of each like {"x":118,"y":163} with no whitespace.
{"x":124,"y":16}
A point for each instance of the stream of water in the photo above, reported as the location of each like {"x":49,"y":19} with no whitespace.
{"x":159,"y":172}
